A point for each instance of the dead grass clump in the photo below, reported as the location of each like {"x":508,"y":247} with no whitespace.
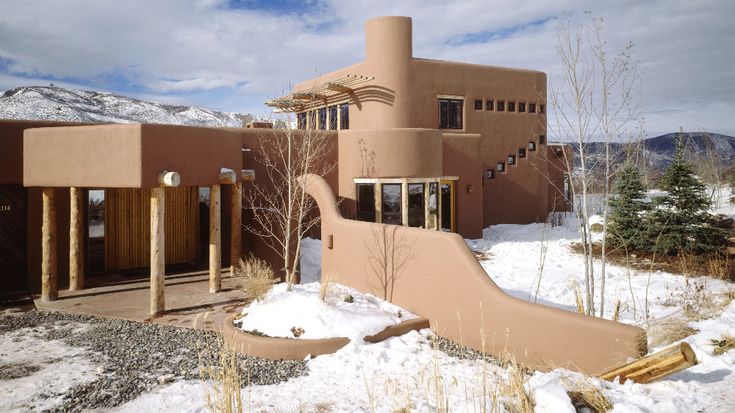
{"x":574,"y":285}
{"x":669,"y":331}
{"x":221,"y":380}
{"x":256,"y":277}
{"x":725,"y":344}
{"x":585,"y":395}
{"x":515,"y":394}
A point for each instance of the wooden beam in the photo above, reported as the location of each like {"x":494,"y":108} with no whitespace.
{"x":76,"y":239}
{"x":169,"y":179}
{"x":158,"y":251}
{"x":339,"y":88}
{"x":215,"y":253}
{"x":227,"y":176}
{"x":655,"y":366}
{"x":49,"y":282}
{"x":236,"y":226}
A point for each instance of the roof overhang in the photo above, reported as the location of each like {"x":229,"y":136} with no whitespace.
{"x":297,"y":101}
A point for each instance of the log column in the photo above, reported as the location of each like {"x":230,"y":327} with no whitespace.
{"x":236,"y":224}
{"x":49,"y":286}
{"x":158,"y":251}
{"x":76,"y":240}
{"x":215,"y":244}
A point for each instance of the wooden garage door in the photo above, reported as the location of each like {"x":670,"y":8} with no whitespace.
{"x":13,"y":219}
{"x":127,"y":227}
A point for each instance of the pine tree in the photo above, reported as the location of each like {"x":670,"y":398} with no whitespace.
{"x":681,"y":215}
{"x":732,"y":184}
{"x":628,"y":210}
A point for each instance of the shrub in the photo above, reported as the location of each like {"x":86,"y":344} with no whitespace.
{"x":256,"y":278}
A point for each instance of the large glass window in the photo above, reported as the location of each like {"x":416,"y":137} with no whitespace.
{"x":96,"y":230}
{"x":312,"y":119}
{"x":450,"y":113}
{"x":322,"y":118}
{"x":433,"y":204}
{"x":333,"y":118}
{"x":416,"y":205}
{"x":344,"y":116}
{"x":301,"y":120}
{"x":447,"y":205}
{"x":391,"y":205}
{"x":366,"y":202}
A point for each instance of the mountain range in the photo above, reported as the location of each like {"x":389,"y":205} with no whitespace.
{"x":61,"y":104}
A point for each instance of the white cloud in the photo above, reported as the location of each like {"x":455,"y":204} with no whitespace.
{"x":176,"y":47}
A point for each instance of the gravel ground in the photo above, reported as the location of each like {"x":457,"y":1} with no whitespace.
{"x":135,"y":358}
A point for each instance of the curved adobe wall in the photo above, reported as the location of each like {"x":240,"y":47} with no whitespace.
{"x":387,"y":153}
{"x":442,"y":281}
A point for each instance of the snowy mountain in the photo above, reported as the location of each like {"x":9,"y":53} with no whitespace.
{"x":60,"y":104}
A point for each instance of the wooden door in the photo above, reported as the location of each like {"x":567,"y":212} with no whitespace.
{"x":13,"y":223}
{"x":127,"y":227}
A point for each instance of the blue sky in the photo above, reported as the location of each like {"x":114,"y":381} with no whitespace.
{"x":233,"y":55}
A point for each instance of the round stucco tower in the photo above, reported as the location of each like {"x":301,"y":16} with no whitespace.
{"x":388,"y":55}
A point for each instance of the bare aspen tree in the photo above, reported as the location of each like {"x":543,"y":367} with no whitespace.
{"x":282,"y":211}
{"x":389,"y":253}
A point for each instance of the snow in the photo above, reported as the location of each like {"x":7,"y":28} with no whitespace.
{"x":311,"y":260}
{"x":281,"y":311}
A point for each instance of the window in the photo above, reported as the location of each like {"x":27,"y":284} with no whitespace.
{"x":391,"y":197}
{"x":312,"y":120}
{"x":511,"y":106}
{"x":541,"y":108}
{"x":541,"y":139}
{"x":447,"y":206}
{"x":489,"y":105}
{"x":416,"y":205}
{"x":501,"y":106}
{"x":322,"y":118}
{"x":344,"y":116}
{"x":511,"y":159}
{"x":333,"y":118}
{"x":501,"y":167}
{"x":522,"y":107}
{"x":366,"y":202}
{"x":490,"y":174}
{"x":531,"y":108}
{"x":301,"y":120}
{"x":450,"y":113}
{"x":433,"y":217}
{"x":567,"y":189}
{"x":521,"y":152}
{"x":531,"y":146}
{"x":478,"y":104}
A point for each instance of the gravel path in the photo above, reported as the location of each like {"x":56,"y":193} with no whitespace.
{"x":134,"y":358}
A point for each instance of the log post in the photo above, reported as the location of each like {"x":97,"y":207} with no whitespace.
{"x":215,"y":256}
{"x":655,"y":366}
{"x":236,"y":226}
{"x":158,"y":251}
{"x":76,"y":240}
{"x":49,"y":286}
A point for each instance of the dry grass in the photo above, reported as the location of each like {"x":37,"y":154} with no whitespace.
{"x":324,"y":285}
{"x":221,"y":381}
{"x":669,"y":330}
{"x":574,"y":285}
{"x":256,"y":278}
{"x":725,"y":344}
{"x":514,"y":391}
{"x":584,"y":394}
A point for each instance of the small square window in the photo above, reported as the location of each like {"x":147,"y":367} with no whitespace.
{"x":478,"y":104}
{"x":501,"y":167}
{"x":542,"y":139}
{"x":531,"y":146}
{"x":490,"y":174}
{"x":511,"y":106}
{"x":521,"y":152}
{"x":522,"y":107}
{"x":531,"y":108}
{"x":489,"y":105}
{"x":511,"y":159}
{"x":501,"y":106}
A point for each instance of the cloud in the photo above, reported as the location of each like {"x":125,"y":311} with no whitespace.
{"x":233,"y":55}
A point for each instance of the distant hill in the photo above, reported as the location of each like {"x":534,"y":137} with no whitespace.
{"x":60,"y":104}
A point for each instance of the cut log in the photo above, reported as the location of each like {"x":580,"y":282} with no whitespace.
{"x":215,"y":242}
{"x":169,"y":179}
{"x":227,"y":176}
{"x":49,"y":286}
{"x":76,"y":240}
{"x":248,"y":175}
{"x":236,"y":226}
{"x":158,"y":251}
{"x":655,"y":366}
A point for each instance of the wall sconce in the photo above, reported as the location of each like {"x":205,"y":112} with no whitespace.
{"x":490,"y":174}
{"x":469,"y":188}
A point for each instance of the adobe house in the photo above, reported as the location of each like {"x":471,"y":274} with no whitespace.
{"x":434,"y":144}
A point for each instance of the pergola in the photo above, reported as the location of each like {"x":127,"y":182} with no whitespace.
{"x":142,"y":156}
{"x":296,"y":101}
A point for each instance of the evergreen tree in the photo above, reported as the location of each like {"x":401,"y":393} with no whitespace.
{"x":628,"y":210}
{"x":732,"y":184}
{"x":681,"y":215}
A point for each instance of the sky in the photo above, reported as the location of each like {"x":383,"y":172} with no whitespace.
{"x":233,"y":55}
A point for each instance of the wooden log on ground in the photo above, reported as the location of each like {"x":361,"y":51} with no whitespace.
{"x":655,"y":366}
{"x":158,"y":251}
{"x":215,"y":242}
{"x":76,"y":239}
{"x":49,"y":282}
{"x":236,"y":226}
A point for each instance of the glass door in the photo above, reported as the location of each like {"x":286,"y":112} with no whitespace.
{"x":96,"y":230}
{"x":446,"y":206}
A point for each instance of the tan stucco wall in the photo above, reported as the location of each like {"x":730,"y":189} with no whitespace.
{"x":443,"y":281}
{"x":462,"y":158}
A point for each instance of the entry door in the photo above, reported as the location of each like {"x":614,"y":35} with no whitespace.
{"x":446,"y":206}
{"x":13,"y":222}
